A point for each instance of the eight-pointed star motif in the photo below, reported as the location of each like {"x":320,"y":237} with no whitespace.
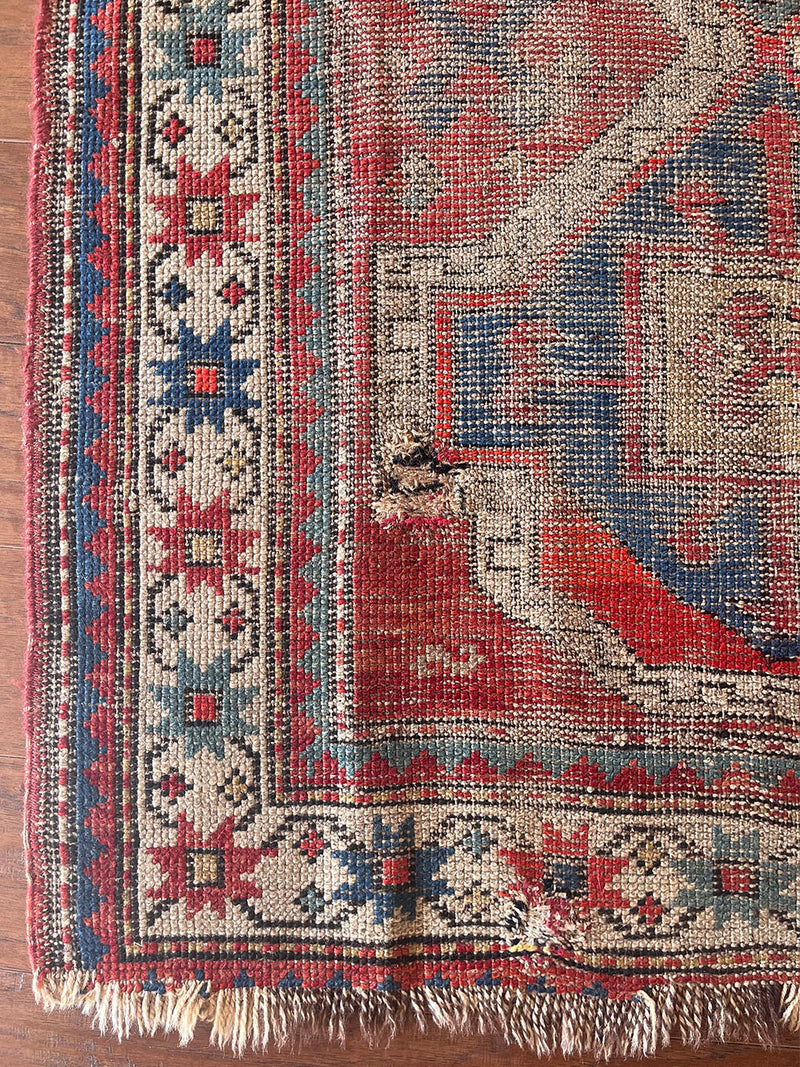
{"x":203,"y":50}
{"x":202,"y":543}
{"x":204,"y":870}
{"x":202,"y":706}
{"x":203,"y":214}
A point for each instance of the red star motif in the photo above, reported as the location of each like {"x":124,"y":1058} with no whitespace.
{"x":202,"y":544}
{"x":205,"y":870}
{"x":530,"y":865}
{"x":204,"y":215}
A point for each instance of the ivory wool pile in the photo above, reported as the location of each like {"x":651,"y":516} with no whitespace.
{"x":413,"y":443}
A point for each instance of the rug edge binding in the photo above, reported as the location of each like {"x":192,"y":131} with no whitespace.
{"x":34,"y":356}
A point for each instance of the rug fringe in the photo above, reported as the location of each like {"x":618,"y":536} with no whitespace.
{"x":570,"y":1023}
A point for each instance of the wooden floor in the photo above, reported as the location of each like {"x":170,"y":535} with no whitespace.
{"x":28,"y":1037}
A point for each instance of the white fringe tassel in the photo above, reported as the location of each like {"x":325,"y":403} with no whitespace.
{"x":570,"y":1023}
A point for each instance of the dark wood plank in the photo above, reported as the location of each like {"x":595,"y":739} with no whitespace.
{"x":12,"y":468}
{"x":13,"y":942}
{"x":17,"y":21}
{"x":13,"y":241}
{"x":13,"y":291}
{"x":13,"y":639}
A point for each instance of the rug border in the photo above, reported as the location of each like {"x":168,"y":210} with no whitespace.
{"x":242,"y":1018}
{"x":34,"y":362}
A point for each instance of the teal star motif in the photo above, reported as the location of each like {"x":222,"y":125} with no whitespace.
{"x":477,"y":842}
{"x":203,"y":707}
{"x":731,"y":881}
{"x":203,"y":51}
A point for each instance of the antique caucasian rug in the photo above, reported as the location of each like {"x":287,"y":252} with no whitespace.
{"x":413,"y":438}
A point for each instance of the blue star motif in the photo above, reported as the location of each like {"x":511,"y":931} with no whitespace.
{"x":394,"y":874}
{"x":311,"y":900}
{"x":204,"y":378}
{"x":175,"y":293}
